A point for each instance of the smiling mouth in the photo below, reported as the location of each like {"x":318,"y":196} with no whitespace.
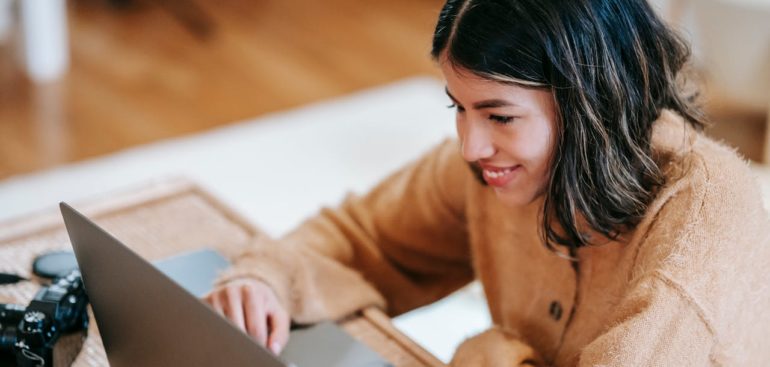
{"x":497,"y":177}
{"x":498,"y":173}
{"x":501,"y":177}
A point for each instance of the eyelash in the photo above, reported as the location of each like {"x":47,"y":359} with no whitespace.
{"x":502,"y":120}
{"x":453,"y":105}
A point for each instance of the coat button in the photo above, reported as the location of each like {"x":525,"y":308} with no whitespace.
{"x":555,"y":310}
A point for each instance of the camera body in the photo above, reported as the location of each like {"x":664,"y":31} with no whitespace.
{"x":32,"y":333}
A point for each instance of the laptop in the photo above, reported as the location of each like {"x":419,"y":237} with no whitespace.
{"x":147,"y":319}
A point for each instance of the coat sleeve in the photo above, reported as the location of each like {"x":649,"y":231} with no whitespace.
{"x":400,"y":246}
{"x":656,"y":325}
{"x":496,"y":347}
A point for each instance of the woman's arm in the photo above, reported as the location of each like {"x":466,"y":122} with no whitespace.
{"x":402,"y":245}
{"x":656,"y":325}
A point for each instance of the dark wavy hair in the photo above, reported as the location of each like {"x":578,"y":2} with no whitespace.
{"x":612,"y":66}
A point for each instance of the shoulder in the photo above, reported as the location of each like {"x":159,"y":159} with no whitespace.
{"x":706,"y":232}
{"x":706,"y":182}
{"x":710,"y":204}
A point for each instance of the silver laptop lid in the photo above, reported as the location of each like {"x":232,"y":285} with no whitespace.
{"x":144,"y":318}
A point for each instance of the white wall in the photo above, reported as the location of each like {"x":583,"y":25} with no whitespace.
{"x":731,"y":43}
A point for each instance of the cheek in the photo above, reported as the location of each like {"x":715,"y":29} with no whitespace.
{"x":533,"y":147}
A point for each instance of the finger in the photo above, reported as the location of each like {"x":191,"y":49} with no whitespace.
{"x":233,"y":307}
{"x":215,"y":304}
{"x":256,"y":322}
{"x":279,"y":330}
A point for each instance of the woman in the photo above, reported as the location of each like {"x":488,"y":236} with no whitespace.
{"x":605,"y":228}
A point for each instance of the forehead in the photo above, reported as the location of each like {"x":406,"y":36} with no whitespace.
{"x":464,"y":84}
{"x":457,"y":72}
{"x":460,"y":78}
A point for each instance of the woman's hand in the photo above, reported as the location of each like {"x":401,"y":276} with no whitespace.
{"x":495,"y":348}
{"x":254,"y":308}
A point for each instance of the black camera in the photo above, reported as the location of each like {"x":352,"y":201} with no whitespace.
{"x":32,"y":334}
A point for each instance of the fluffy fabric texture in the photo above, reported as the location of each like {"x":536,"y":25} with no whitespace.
{"x":495,"y":347}
{"x":688,"y":287}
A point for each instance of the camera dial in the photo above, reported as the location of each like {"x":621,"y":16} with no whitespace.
{"x":34,"y":321}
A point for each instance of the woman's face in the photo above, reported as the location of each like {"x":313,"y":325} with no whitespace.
{"x":507,"y":133}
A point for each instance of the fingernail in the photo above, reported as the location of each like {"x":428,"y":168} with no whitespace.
{"x":275,"y":347}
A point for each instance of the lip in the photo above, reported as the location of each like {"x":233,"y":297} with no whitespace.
{"x":499,"y":181}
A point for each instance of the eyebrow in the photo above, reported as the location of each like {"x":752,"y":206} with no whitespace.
{"x":489,"y":103}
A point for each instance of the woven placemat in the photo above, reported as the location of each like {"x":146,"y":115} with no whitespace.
{"x":159,"y":221}
{"x":155,"y":228}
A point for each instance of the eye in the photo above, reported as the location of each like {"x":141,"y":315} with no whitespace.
{"x":501,"y":119}
{"x":454,"y":105}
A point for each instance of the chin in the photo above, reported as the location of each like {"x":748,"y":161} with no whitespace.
{"x":514,"y":199}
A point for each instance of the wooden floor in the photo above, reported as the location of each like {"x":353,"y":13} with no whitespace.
{"x":156,"y":70}
{"x":153,"y":70}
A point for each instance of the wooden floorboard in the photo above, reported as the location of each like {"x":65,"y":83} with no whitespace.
{"x":139,"y":74}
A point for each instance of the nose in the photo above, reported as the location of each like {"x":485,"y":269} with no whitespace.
{"x":476,"y":140}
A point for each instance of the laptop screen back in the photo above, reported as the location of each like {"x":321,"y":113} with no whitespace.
{"x":146,"y":319}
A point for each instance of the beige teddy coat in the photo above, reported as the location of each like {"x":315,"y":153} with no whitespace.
{"x":689,"y":286}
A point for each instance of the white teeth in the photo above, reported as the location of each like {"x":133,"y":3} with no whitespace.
{"x":497,"y":174}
